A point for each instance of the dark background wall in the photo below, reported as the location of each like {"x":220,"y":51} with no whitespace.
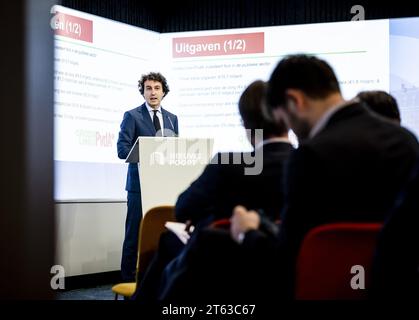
{"x":188,"y":15}
{"x":27,"y":239}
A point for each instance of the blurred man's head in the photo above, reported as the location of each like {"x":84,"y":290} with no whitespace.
{"x":253,"y":113}
{"x":303,"y":88}
{"x":381,"y":103}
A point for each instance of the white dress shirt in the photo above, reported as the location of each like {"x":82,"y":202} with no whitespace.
{"x":158,"y":114}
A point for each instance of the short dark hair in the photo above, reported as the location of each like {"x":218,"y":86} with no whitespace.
{"x":251,"y":107}
{"x":154,"y":76}
{"x":310,"y":74}
{"x":382,"y":103}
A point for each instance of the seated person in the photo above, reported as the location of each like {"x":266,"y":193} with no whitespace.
{"x":221,"y":186}
{"x":381,"y":103}
{"x":350,"y":164}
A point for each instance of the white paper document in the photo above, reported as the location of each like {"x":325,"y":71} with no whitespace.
{"x":178,"y":228}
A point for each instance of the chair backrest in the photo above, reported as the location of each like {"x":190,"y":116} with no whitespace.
{"x":327,"y":256}
{"x":152,"y":226}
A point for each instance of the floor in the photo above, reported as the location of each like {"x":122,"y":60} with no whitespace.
{"x":96,"y":293}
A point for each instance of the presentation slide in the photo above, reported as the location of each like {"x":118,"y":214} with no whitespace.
{"x":98,"y":63}
{"x":210,"y":69}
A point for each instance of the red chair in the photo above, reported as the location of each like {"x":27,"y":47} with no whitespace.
{"x":327,"y":254}
{"x":221,"y":224}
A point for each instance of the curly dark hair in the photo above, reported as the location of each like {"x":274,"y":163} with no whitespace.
{"x":154,"y":76}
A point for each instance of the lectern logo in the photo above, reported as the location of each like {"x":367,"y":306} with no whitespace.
{"x":157,"y":158}
{"x":177,"y":153}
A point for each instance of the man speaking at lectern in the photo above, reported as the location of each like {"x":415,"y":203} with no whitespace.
{"x":149,"y":119}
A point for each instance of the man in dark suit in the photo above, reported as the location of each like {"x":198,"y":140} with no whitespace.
{"x":223,"y":185}
{"x":349,"y":166}
{"x":149,"y":119}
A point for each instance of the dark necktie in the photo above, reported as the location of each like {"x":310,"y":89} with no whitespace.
{"x":157,"y":123}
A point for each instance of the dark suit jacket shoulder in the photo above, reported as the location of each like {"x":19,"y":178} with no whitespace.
{"x":223,"y":185}
{"x":352,"y":170}
{"x":355,"y":165}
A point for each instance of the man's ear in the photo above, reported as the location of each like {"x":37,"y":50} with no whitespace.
{"x":295,"y":99}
